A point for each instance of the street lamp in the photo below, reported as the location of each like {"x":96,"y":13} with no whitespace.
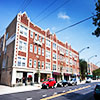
{"x":88,"y":69}
{"x":83,"y":49}
{"x":97,"y":62}
{"x":80,"y":52}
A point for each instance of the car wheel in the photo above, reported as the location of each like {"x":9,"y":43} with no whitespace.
{"x":47,"y":86}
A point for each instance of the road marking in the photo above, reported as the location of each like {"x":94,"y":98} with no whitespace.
{"x":54,"y":96}
{"x":88,"y":92}
{"x":63,"y":91}
{"x":55,"y":93}
{"x":29,"y":99}
{"x":44,"y":95}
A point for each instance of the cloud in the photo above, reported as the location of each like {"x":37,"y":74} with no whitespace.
{"x":53,"y":28}
{"x":63,"y":15}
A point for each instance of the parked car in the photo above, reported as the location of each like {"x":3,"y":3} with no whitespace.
{"x":73,"y":81}
{"x":49,"y":83}
{"x":62,"y":83}
{"x":97,"y":92}
{"x":88,"y":80}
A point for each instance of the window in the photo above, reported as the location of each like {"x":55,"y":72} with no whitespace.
{"x":42,"y":64}
{"x":48,"y":66}
{"x":38,"y":64}
{"x":39,"y":51}
{"x":34,"y":63}
{"x":31,"y":48}
{"x":66,"y":60}
{"x":22,"y":45}
{"x":31,"y":34}
{"x":66,"y":52}
{"x":71,"y":62}
{"x":54,"y":46}
{"x":42,"y":40}
{"x":35,"y":49}
{"x":54,"y":66}
{"x":30,"y":62}
{"x":47,"y":54}
{"x":23,"y":30}
{"x":42,"y":52}
{"x":36,"y":36}
{"x":71,"y":70}
{"x":67,"y":69}
{"x":6,"y":36}
{"x":54,"y":56}
{"x":48,"y":43}
{"x":70,"y":54}
{"x":21,"y":61}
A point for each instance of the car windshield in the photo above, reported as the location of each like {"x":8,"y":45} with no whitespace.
{"x":64,"y":81}
{"x":72,"y":79}
{"x":46,"y":80}
{"x":98,"y":87}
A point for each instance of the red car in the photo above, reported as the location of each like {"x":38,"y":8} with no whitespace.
{"x":49,"y":83}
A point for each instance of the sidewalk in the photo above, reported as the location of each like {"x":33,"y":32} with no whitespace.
{"x":8,"y":90}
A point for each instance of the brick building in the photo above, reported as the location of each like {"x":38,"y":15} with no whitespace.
{"x":31,"y":54}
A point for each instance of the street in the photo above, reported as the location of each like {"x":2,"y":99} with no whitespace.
{"x":79,"y":92}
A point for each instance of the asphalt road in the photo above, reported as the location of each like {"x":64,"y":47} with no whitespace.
{"x":79,"y":92}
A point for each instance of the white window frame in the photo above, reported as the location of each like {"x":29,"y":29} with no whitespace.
{"x":42,"y":39}
{"x":39,"y":50}
{"x":48,"y":54}
{"x":47,"y":68}
{"x":34,"y":63}
{"x":55,"y":67}
{"x":48,"y":43}
{"x":31,"y":47}
{"x":30,"y":62}
{"x":35,"y":51}
{"x":42,"y":51}
{"x":54,"y":46}
{"x":42,"y":64}
{"x":39,"y":38}
{"x":31,"y":34}
{"x":35,"y":36}
{"x":54,"y":56}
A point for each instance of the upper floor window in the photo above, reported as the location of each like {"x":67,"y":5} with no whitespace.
{"x":42,"y":51}
{"x":31,"y":48}
{"x":47,"y":54}
{"x":22,"y":45}
{"x":6,"y":36}
{"x":30,"y":62}
{"x":31,"y":34}
{"x":38,"y":64}
{"x":39,"y":38}
{"x":54,"y":46}
{"x":35,"y":49}
{"x":23,"y":30}
{"x":34,"y":63}
{"x":48,"y":66}
{"x":48,"y":43}
{"x":54,"y":55}
{"x":66,"y":60}
{"x":39,"y":50}
{"x":21,"y":61}
{"x":66,"y":52}
{"x":35,"y":36}
{"x":42,"y":64}
{"x":54,"y":67}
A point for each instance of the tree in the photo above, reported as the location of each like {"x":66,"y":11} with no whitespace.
{"x":83,"y":68}
{"x":96,"y":72}
{"x":96,"y":19}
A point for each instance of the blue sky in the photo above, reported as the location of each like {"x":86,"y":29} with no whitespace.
{"x":79,"y":36}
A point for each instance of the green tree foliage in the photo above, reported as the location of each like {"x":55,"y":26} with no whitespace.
{"x":96,"y":72}
{"x":96,"y":19}
{"x":83,"y":68}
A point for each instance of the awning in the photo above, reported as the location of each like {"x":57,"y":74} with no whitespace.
{"x":66,"y":74}
{"x":56,"y":73}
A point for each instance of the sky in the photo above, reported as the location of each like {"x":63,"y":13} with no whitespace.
{"x":69,"y":12}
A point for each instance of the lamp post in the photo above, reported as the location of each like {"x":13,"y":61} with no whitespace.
{"x":79,"y":54}
{"x":97,"y":62}
{"x":88,"y":67}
